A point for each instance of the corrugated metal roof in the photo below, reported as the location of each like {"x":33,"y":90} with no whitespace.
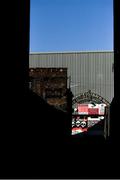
{"x":88,"y":70}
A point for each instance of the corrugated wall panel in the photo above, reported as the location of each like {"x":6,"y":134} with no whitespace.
{"x":88,"y":70}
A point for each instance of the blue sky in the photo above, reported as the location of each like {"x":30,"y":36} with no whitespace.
{"x":71,"y":25}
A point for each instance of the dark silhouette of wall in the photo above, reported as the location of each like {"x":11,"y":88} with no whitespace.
{"x":33,"y":133}
{"x":34,"y":137}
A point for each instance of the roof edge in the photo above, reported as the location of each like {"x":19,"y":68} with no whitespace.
{"x":70,"y":52}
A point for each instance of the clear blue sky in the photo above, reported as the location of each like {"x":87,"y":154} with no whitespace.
{"x":71,"y":25}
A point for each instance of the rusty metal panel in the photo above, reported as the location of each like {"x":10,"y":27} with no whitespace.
{"x":50,"y":84}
